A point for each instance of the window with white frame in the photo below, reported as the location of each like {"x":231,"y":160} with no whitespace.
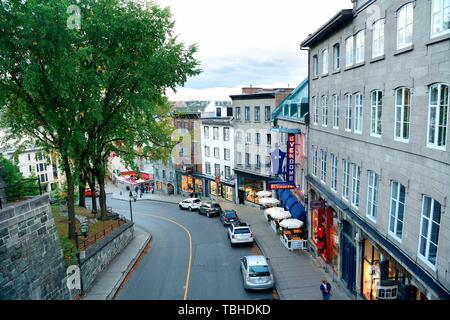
{"x":325,"y":61}
{"x":258,"y":161}
{"x":349,"y":51}
{"x":438,"y":116}
{"x":238,"y":136}
{"x":334,"y":171}
{"x":217,"y":153}
{"x":206,"y":132}
{"x":402,"y":113}
{"x":405,"y":26}
{"x":376,"y":113}
{"x":440,"y":17}
{"x":348,"y":112}
{"x":359,"y":44}
{"x":227,"y":172}
{"x":217,"y":170}
{"x":226,"y":154}
{"x":226,"y":134}
{"x":335,"y":111}
{"x":315,"y":66}
{"x":323,"y":167}
{"x":247,"y":114}
{"x":314,"y":163}
{"x":356,"y":184}
{"x":257,"y":114}
{"x":207,"y":154}
{"x":336,"y":57}
{"x":345,"y":179}
{"x":315,"y":111}
{"x":324,"y":111}
{"x":378,"y":39}
{"x":372,"y":195}
{"x":397,"y":210}
{"x":239,"y":158}
{"x":208,"y":167}
{"x":358,"y":112}
{"x":215,"y":133}
{"x":258,"y":138}
{"x":238,"y":113}
{"x":429,"y":230}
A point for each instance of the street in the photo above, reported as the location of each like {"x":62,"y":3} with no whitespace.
{"x":171,"y":270}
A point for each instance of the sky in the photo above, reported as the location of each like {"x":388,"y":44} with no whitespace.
{"x":247,"y":42}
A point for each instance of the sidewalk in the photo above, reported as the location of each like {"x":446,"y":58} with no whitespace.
{"x":109,"y":281}
{"x":298,"y":277}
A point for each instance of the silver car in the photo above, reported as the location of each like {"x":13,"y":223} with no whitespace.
{"x":256,"y":273}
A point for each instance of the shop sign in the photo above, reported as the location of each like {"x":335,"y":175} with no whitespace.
{"x":281,"y":186}
{"x":316,"y":204}
{"x":217,"y":180}
{"x":290,"y":174}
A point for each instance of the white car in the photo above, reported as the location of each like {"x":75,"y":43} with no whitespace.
{"x":190,"y":204}
{"x":240,"y":233}
{"x":256,"y":273}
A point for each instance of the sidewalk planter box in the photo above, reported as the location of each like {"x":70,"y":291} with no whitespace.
{"x":274,"y":226}
{"x":294,"y":244}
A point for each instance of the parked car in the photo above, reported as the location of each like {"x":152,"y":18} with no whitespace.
{"x":256,"y":273}
{"x":210,"y":209}
{"x":88,"y":192}
{"x":228,"y":217}
{"x":240,"y":233}
{"x":190,"y":204}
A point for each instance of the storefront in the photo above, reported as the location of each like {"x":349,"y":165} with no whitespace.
{"x":189,"y":184}
{"x":251,"y":188}
{"x":222,"y":190}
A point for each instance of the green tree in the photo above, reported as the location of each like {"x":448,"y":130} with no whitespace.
{"x":15,"y":186}
{"x":83,"y":92}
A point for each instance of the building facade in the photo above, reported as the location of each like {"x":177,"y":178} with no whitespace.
{"x":253,"y":140}
{"x":379,"y":148}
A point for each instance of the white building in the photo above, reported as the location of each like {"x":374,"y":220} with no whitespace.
{"x":217,"y":144}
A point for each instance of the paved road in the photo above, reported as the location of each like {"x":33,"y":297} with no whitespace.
{"x":163,"y":272}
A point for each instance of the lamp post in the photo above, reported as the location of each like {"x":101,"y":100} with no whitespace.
{"x":84,"y":228}
{"x":131,"y":209}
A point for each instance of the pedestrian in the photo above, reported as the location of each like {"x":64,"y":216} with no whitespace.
{"x":325,"y":287}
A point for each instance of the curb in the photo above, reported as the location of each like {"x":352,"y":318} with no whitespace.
{"x":111,"y":295}
{"x":155,"y":200}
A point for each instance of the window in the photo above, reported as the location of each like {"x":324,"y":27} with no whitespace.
{"x":325,"y":61}
{"x":349,"y":52}
{"x":334,"y":168}
{"x":359,"y":39}
{"x":323,"y":167}
{"x":324,"y":111}
{"x":397,"y":210}
{"x":207,"y":154}
{"x":268,"y":162}
{"x":239,"y":158}
{"x":238,"y":113}
{"x":206,"y":132}
{"x":335,"y":112}
{"x":348,"y":112}
{"x":226,"y":134}
{"x":258,"y":161}
{"x":402,"y":113}
{"x":438,"y":116}
{"x":269,"y":139}
{"x":267,"y":115}
{"x":217,"y":170}
{"x":215,"y":133}
{"x":226,"y":154}
{"x":315,"y":111}
{"x":249,"y":138}
{"x":336,"y":57}
{"x":315,"y":66}
{"x":229,"y":112}
{"x":29,"y":158}
{"x":356,"y":184}
{"x":429,"y":230}
{"x":346,"y":179}
{"x":208,"y":167}
{"x":405,"y":26}
{"x":440,"y":17}
{"x":293,"y":110}
{"x":227,"y":172}
{"x":358,"y":113}
{"x":247,"y":113}
{"x":30,"y":167}
{"x":257,"y":114}
{"x":376,"y":107}
{"x":216,"y":153}
{"x":372,"y":195}
{"x":314,"y":163}
{"x":378,"y":39}
{"x":247,"y":159}
{"x":164,"y":174}
{"x":258,"y":139}
{"x":218,"y":112}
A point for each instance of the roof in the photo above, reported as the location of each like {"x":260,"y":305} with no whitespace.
{"x":251,"y":96}
{"x":261,"y":260}
{"x":339,"y":21}
{"x":302,"y":87}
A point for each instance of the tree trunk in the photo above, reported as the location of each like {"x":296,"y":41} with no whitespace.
{"x":91,"y":181}
{"x":70,"y":198}
{"x":82,"y":190}
{"x":102,"y":199}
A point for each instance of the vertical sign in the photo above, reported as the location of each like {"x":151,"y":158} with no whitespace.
{"x":290,"y":174}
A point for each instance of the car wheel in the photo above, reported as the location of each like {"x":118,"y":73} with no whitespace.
{"x":209,"y":216}
{"x":179,"y":206}
{"x":232,"y":244}
{"x":190,"y":209}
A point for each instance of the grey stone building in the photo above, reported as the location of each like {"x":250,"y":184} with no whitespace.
{"x":379,"y":161}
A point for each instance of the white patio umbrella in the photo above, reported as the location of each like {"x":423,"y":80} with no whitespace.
{"x":273,"y":210}
{"x":266,"y":201}
{"x":264,"y":194}
{"x":280,"y":215}
{"x":291,"y":224}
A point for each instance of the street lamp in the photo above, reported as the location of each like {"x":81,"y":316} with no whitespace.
{"x":84,"y":228}
{"x":131,"y":209}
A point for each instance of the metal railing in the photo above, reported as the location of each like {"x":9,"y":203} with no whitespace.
{"x":20,"y":190}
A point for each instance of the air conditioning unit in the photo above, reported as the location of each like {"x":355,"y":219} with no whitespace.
{"x":387,"y":290}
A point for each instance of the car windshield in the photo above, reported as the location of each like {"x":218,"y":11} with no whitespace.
{"x":215,"y":205}
{"x":242,"y":230}
{"x":259,"y":271}
{"x":196,"y":201}
{"x":231,"y":215}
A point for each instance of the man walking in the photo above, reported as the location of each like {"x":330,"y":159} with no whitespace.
{"x":325,"y":287}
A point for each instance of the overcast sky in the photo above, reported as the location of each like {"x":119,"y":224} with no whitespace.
{"x":247,"y":42}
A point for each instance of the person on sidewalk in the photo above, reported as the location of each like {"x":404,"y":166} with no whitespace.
{"x":325,"y":287}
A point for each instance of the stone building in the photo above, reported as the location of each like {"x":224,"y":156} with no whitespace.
{"x":378,"y":147}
